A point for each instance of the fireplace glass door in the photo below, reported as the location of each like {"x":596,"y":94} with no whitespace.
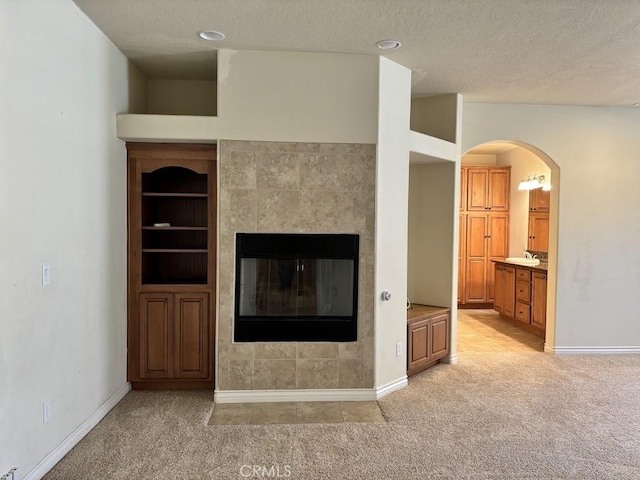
{"x":318,"y":287}
{"x":296,"y":287}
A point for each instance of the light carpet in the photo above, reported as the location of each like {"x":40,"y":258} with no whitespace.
{"x":492,"y":416}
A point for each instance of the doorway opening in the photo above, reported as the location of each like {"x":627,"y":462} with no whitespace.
{"x":507,"y":253}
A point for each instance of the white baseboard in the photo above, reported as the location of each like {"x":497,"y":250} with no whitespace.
{"x":590,"y":350}
{"x":450,"y":359}
{"x":324,"y":395}
{"x":48,"y":462}
{"x":398,"y":384}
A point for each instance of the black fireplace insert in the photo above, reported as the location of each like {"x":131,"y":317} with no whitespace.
{"x":296,"y":287}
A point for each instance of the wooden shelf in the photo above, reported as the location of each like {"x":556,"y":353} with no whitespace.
{"x":173,"y":195}
{"x":174,"y":250}
{"x":176,"y":228}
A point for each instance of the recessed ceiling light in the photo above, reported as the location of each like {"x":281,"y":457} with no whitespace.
{"x":212,"y":35}
{"x":388,"y":44}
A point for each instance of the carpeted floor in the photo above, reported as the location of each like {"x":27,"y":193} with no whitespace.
{"x":492,"y":416}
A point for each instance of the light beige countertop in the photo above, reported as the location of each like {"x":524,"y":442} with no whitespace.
{"x":542,"y":266}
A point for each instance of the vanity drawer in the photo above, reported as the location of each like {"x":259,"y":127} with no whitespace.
{"x":523,"y":312}
{"x":523,"y":291}
{"x":524,"y":275}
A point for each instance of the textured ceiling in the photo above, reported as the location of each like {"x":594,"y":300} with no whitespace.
{"x":522,"y":51}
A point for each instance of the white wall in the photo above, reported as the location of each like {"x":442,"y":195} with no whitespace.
{"x":297,"y":97}
{"x":598,"y":260}
{"x":431,"y":242}
{"x":62,"y":201}
{"x":137,"y":89}
{"x":392,"y":184}
{"x":478,"y":159}
{"x":182,"y":97}
{"x":523,"y":164}
{"x":436,"y":116}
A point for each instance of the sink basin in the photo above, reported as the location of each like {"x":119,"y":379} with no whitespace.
{"x":527,"y":262}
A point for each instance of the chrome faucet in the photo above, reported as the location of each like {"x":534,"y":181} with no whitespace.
{"x":527,"y":255}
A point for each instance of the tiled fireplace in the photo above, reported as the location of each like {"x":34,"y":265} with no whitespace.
{"x":296,"y":188}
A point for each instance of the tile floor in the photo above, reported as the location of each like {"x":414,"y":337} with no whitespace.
{"x":478,"y":331}
{"x":294,"y":413}
{"x":485,"y":331}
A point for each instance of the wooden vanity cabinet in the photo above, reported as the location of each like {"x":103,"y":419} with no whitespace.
{"x":427,"y":337}
{"x":539,"y":301}
{"x":521,"y":295}
{"x":505,"y":283}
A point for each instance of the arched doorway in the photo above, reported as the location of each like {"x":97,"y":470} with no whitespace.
{"x":522,"y":161}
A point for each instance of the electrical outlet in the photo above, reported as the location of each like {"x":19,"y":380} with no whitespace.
{"x":399,"y":349}
{"x":46,"y":274}
{"x":10,"y":475}
{"x":46,"y":411}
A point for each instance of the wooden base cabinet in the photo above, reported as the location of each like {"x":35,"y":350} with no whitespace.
{"x":174,"y":335}
{"x":171,"y":266}
{"x":539,"y":301}
{"x":505,"y":284}
{"x":427,"y":337}
{"x":521,"y":295}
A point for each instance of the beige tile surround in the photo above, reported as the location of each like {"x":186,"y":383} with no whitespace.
{"x":295,"y":188}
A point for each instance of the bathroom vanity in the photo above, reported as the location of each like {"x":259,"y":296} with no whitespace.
{"x":521,"y":294}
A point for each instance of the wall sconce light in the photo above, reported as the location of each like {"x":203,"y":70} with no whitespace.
{"x":532,"y":182}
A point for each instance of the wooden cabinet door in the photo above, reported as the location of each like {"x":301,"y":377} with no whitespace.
{"x":475,"y":267}
{"x":439,"y":337}
{"x":499,"y":189}
{"x":497,"y":247}
{"x":539,"y":200}
{"x":498,"y":236}
{"x":498,"y":299}
{"x":508,"y":277}
{"x":477,"y":189}
{"x":418,"y":345}
{"x":539,"y":232}
{"x":539,"y":302}
{"x":463,"y":189}
{"x":191,"y":352}
{"x":475,"y":274}
{"x":461,"y":280}
{"x":156,"y":335}
{"x":461,"y":255}
{"x":477,"y":235}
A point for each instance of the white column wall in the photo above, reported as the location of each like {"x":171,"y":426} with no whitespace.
{"x":392,"y":193}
